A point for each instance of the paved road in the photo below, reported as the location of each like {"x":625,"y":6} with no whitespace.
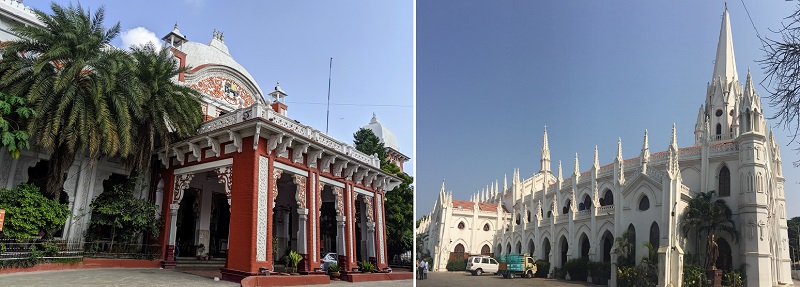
{"x":450,"y":279}
{"x":138,"y":277}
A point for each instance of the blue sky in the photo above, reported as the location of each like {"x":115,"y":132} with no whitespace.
{"x":490,"y":77}
{"x":371,"y":43}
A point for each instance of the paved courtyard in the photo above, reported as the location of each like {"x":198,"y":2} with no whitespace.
{"x":450,"y":279}
{"x":139,"y":277}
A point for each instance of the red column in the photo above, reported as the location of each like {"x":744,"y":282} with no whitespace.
{"x":244,"y":210}
{"x":167,"y":250}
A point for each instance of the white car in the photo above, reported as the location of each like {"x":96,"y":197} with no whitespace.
{"x":328,"y":259}
{"x":478,"y":265}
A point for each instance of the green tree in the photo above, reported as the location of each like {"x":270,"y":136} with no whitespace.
{"x":794,"y":237}
{"x":166,"y":105}
{"x":367,"y":142}
{"x":123,"y":215}
{"x":29,"y":213}
{"x":708,"y":217}
{"x":399,"y":205}
{"x":81,"y":87}
{"x":13,"y":111}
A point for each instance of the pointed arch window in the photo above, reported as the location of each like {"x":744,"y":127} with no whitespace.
{"x":587,"y":202}
{"x":644,"y":203}
{"x":724,"y":181}
{"x":461,"y":225}
{"x":486,"y":227}
{"x":608,"y":198}
{"x":458,"y":252}
{"x":719,"y":131}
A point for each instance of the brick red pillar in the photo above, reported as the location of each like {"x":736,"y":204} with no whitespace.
{"x":244,"y":210}
{"x":167,"y":250}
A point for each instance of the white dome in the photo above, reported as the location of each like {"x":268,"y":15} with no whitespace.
{"x":387,"y":137}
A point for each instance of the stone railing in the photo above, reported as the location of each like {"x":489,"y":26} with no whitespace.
{"x":583,"y":214}
{"x":605,"y":209}
{"x":295,"y":127}
{"x":723,"y":147}
{"x":688,"y":152}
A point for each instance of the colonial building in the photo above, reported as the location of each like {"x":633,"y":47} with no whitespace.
{"x":556,"y":218}
{"x":253,"y":183}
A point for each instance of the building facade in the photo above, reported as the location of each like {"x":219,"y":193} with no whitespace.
{"x":251,"y":186}
{"x":556,"y":218}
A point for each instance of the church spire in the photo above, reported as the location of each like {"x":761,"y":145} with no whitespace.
{"x":725,"y":63}
{"x":577,"y":170}
{"x":545,"y":153}
{"x":596,"y":164}
{"x":560,"y":173}
{"x":644,"y":158}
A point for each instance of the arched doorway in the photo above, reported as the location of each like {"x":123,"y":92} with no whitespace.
{"x":608,"y":243}
{"x":508,"y":248}
{"x":531,"y":247}
{"x":499,"y":249}
{"x":585,"y":246}
{"x":458,"y":252}
{"x":485,"y":250}
{"x":564,"y":249}
{"x":632,"y":241}
{"x":519,"y":247}
{"x":203,"y":220}
{"x":725,"y":260}
{"x":546,"y":247}
{"x":654,"y":235}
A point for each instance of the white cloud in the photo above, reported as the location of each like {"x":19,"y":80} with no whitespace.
{"x":139,"y":36}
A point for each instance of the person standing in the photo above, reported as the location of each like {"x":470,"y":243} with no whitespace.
{"x":423,"y":269}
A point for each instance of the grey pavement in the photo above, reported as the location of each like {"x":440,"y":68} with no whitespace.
{"x":137,"y":277}
{"x":450,"y":279}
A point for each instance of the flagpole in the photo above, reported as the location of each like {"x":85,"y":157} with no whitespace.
{"x":328,"y":112}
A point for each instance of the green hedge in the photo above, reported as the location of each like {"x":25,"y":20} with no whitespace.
{"x":456,"y":264}
{"x":577,"y":268}
{"x":542,"y":268}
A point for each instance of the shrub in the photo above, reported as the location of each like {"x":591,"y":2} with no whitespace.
{"x":694,"y":276}
{"x":457,"y":264}
{"x":333,"y":268}
{"x":123,"y":215}
{"x":542,"y":268}
{"x":28,"y":212}
{"x":366,"y":266}
{"x":577,"y":268}
{"x":600,"y":272}
{"x":559,"y":273}
{"x":732,"y":278}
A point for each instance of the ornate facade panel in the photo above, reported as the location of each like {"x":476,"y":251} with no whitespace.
{"x":337,"y":191}
{"x":261,"y":227}
{"x":276,"y":174}
{"x":379,"y":202}
{"x":224,"y":174}
{"x":300,"y":196}
{"x":224,"y":89}
{"x":181,"y":184}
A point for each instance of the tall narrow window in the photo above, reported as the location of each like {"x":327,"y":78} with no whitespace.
{"x":724,"y":181}
{"x":719,"y":131}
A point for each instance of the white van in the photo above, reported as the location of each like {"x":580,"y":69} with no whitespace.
{"x":478,"y":265}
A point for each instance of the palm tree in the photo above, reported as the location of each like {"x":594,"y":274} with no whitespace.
{"x":78,"y":84}
{"x":167,"y":105}
{"x":705,"y":215}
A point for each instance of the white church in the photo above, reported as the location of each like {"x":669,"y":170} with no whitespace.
{"x":556,"y":218}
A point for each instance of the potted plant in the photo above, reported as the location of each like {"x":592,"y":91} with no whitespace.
{"x":366,"y":267}
{"x":334,"y":271}
{"x":292,"y":260}
{"x":201,"y":252}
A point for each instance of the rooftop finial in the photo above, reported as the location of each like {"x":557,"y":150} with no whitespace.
{"x":176,"y":26}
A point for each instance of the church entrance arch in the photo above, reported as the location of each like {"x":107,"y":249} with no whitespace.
{"x":564,"y":249}
{"x":585,"y":245}
{"x":608,"y":244}
{"x":724,"y":260}
{"x":546,"y":246}
{"x":485,"y":250}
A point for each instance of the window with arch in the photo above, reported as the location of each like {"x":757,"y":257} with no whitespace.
{"x":486,"y":227}
{"x":719,"y":131}
{"x":518,"y":219}
{"x":760,"y":181}
{"x":485,"y":250}
{"x":632,"y":241}
{"x":549,"y":214}
{"x":567,"y":207}
{"x":529,"y":215}
{"x":724,"y":179}
{"x":608,"y":198}
{"x":750,"y":182}
{"x":458,"y":252}
{"x":461,"y":225}
{"x":587,"y":202}
{"x":644,"y":203}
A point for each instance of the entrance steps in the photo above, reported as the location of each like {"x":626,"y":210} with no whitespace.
{"x":193,"y":262}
